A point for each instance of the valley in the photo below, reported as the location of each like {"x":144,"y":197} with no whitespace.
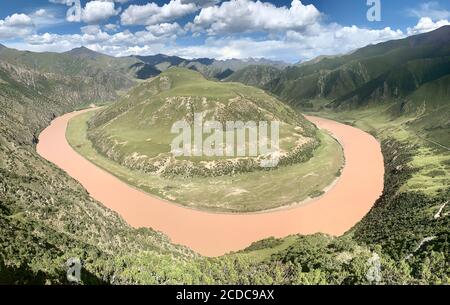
{"x":233,"y":185}
{"x":60,"y":197}
{"x":209,"y":233}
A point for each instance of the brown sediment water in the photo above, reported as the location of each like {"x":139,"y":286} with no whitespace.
{"x":213,"y":234}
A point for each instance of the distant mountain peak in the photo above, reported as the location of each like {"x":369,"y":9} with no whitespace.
{"x":2,"y":46}
{"x":84,"y":52}
{"x":82,"y":49}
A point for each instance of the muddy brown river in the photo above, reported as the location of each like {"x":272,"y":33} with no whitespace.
{"x":213,"y":234}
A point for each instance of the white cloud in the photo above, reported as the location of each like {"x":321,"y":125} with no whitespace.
{"x":426,"y":24}
{"x":94,"y":37}
{"x":165,"y":29}
{"x":335,"y":39}
{"x":237,"y":16}
{"x":151,"y":13}
{"x":112,"y":27}
{"x":18,"y":20}
{"x":202,"y":3}
{"x":90,"y":29}
{"x":47,"y":17}
{"x":329,"y":39}
{"x":291,"y":33}
{"x":16,"y":25}
{"x":97,"y":11}
{"x":40,"y":12}
{"x":66,"y":2}
{"x":431,"y":10}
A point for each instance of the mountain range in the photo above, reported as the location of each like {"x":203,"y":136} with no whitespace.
{"x":390,"y":70}
{"x":121,"y":72}
{"x":411,"y":75}
{"x":46,"y":217}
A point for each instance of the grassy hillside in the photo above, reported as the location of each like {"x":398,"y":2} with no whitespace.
{"x":408,"y":225}
{"x":397,"y":91}
{"x":256,"y":76}
{"x":131,"y":139}
{"x":136,"y":132}
{"x":46,"y":217}
{"x":82,"y":64}
{"x":392,"y":71}
{"x":246,"y":192}
{"x":122,"y":72}
{"x":411,"y":219}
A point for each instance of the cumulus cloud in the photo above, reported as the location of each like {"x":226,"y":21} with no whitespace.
{"x":426,"y":24}
{"x":165,"y":29}
{"x":151,"y":13}
{"x":94,"y":11}
{"x":112,"y":27}
{"x":237,"y":16}
{"x":40,"y":13}
{"x":90,"y":29}
{"x":202,"y":3}
{"x":320,"y":40}
{"x":329,"y":39}
{"x":292,"y":33}
{"x":16,"y":25}
{"x":336,"y":39}
{"x":18,"y":20}
{"x":93,"y":36}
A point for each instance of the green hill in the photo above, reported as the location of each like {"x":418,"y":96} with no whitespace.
{"x":45,"y":216}
{"x":409,"y":75}
{"x":387,"y":71}
{"x":397,"y":91}
{"x":79,"y":63}
{"x":136,"y":131}
{"x":132,"y":139}
{"x":256,"y":76}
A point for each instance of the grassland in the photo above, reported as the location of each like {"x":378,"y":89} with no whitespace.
{"x":247,"y":192}
{"x":137,"y":131}
{"x":430,"y":160}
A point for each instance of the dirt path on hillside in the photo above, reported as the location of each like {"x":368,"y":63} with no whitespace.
{"x":212,"y":234}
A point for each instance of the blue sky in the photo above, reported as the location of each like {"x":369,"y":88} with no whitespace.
{"x":289,"y":30}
